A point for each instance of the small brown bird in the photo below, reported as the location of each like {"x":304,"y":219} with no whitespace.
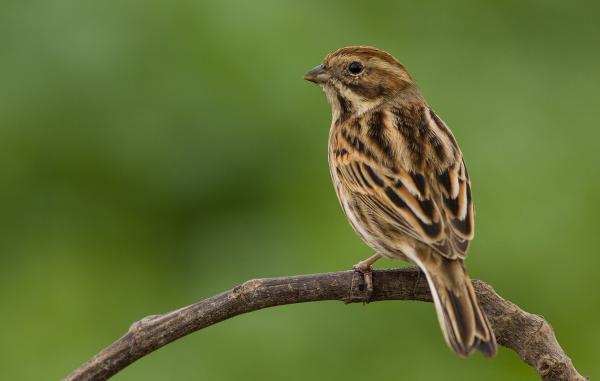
{"x":402,"y":182}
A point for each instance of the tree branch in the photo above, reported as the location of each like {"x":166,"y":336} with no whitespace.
{"x":530,"y":336}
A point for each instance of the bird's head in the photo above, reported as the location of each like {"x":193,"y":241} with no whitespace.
{"x":363,"y":77}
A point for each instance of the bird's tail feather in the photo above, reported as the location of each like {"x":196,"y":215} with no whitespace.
{"x":464,"y":325}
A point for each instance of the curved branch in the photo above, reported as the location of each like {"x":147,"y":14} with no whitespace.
{"x":527,"y":334}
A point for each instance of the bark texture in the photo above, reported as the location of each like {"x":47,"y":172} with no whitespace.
{"x":530,"y":336}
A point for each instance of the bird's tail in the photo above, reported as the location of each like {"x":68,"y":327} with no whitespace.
{"x":464,"y":325}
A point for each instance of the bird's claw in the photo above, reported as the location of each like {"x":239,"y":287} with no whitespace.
{"x":367,"y":272}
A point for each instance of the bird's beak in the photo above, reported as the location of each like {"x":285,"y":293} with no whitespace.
{"x":317,"y":75}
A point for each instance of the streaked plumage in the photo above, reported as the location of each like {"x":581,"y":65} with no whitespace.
{"x":402,"y":182}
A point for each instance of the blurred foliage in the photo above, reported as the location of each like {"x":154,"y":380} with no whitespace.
{"x":154,"y":153}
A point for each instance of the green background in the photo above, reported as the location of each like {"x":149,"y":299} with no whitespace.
{"x":154,"y":153}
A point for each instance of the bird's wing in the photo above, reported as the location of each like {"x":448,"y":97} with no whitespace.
{"x":436,"y":210}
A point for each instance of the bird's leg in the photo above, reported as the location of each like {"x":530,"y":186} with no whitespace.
{"x":366,"y":269}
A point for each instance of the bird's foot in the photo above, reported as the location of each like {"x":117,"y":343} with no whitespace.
{"x":366,"y":270}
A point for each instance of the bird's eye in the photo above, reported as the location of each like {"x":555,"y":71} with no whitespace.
{"x":355,"y":68}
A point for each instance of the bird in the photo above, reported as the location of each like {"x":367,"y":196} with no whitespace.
{"x":401,"y":180}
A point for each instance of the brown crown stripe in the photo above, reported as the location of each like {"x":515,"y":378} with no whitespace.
{"x":366,"y":51}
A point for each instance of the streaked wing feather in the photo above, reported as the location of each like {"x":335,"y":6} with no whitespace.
{"x":437,"y":213}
